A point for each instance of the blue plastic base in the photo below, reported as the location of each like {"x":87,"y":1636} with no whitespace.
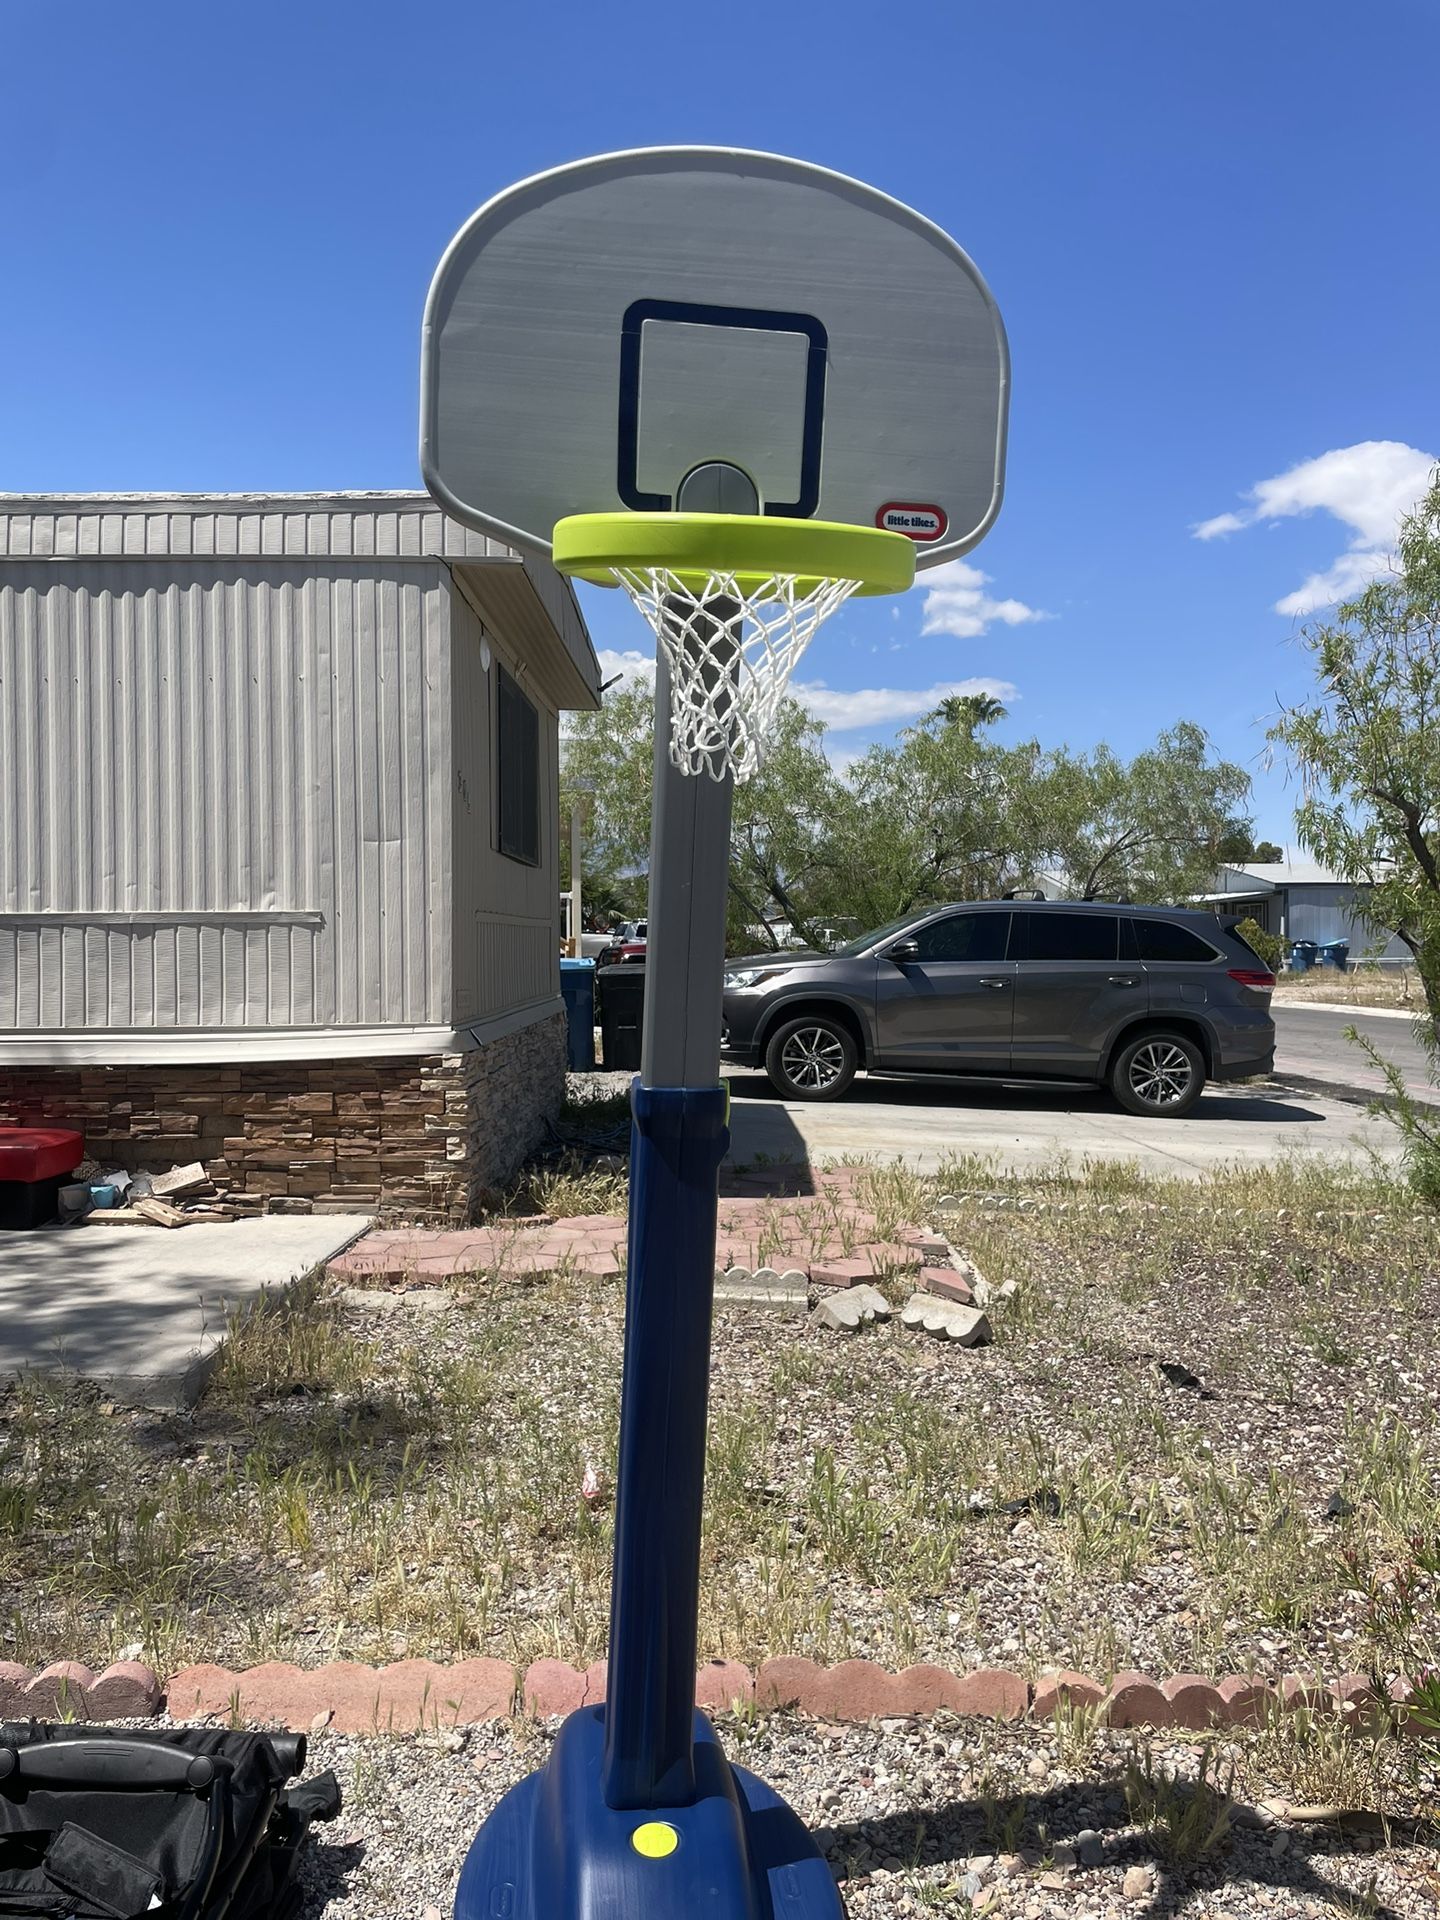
{"x":553,"y":1850}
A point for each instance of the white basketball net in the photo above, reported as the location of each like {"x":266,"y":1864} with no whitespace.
{"x":731,"y":652}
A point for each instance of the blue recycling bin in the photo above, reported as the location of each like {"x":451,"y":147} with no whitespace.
{"x":1335,"y":953}
{"x":577,"y":989}
{"x":1304,"y":954}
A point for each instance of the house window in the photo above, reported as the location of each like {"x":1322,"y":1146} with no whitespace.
{"x":517,"y":761}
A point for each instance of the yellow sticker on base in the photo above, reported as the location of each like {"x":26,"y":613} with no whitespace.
{"x":655,"y":1839}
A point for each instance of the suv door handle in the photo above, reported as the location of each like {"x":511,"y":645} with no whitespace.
{"x":991,"y":981}
{"x":1123,"y":980}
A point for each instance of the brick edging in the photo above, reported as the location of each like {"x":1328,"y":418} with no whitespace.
{"x":412,"y":1695}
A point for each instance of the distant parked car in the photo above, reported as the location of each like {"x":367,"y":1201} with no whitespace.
{"x":1149,"y":1001}
{"x":627,"y":942}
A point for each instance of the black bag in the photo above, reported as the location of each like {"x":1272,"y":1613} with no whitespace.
{"x":190,"y":1824}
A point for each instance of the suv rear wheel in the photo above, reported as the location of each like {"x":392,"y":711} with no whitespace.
{"x":813,"y":1057}
{"x":1158,"y":1074}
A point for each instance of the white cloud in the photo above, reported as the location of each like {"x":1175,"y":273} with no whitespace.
{"x":1368,"y":487}
{"x":1222,"y":523}
{"x":632,"y":667}
{"x":847,"y":710}
{"x":956,"y":602}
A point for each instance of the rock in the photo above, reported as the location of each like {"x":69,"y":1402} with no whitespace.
{"x":181,"y":1181}
{"x":1089,"y":1848}
{"x":1138,"y":1882}
{"x":1037,"y":1769}
{"x":967,"y":1326}
{"x":850,"y":1309}
{"x":369,"y":1299}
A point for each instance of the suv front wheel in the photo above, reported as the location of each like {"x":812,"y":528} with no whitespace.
{"x":811,"y":1058}
{"x":1158,"y":1074}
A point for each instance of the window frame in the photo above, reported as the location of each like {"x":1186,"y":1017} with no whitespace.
{"x":963,"y":913}
{"x":517,"y":845}
{"x":1025,"y":915}
{"x":1212,"y":952}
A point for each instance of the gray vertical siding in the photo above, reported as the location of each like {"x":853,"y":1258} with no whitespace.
{"x":225,"y":784}
{"x":506,"y":914}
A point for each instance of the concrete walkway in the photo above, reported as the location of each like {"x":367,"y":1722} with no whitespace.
{"x":142,"y":1310}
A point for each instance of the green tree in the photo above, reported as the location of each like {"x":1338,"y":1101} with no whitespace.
{"x":1367,"y":747}
{"x":1150,"y":828}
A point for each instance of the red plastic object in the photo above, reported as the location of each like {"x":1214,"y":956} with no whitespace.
{"x":29,"y":1154}
{"x":1250,"y":977}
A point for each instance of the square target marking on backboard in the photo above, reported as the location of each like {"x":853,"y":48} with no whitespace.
{"x":703,"y":383}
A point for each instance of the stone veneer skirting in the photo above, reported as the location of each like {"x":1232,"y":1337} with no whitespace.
{"x":420,"y":1136}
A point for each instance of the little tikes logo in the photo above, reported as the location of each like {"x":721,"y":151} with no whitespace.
{"x":914,"y":520}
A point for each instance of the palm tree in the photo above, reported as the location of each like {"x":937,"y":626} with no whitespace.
{"x":969,"y":710}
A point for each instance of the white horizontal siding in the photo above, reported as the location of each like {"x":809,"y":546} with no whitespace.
{"x":406,"y":526}
{"x":224,"y":795}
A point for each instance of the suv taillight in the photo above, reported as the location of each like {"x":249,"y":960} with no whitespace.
{"x":1251,"y":977}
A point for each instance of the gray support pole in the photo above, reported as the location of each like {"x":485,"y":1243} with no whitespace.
{"x":685,"y":940}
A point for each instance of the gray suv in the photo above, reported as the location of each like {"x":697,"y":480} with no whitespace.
{"x":1151,"y":1001}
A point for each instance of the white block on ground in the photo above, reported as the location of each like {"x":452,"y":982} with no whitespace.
{"x":851,"y":1308}
{"x":967,"y":1326}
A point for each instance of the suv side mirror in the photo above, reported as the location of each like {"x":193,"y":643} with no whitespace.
{"x":902,"y":951}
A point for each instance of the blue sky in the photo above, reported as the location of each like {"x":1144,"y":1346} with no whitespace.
{"x":1211,"y":231}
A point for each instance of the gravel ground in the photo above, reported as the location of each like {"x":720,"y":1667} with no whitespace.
{"x":941,"y":1815}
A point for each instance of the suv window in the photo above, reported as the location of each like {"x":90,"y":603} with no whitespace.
{"x":964,"y":936}
{"x":1165,"y":940}
{"x":1071,"y":936}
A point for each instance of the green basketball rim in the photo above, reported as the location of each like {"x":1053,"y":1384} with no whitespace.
{"x":753,"y":548}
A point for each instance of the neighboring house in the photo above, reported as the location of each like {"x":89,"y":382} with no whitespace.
{"x":1299,"y":900}
{"x":279,"y":840}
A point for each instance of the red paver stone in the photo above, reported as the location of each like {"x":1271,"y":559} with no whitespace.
{"x":281,"y":1695}
{"x":1135,"y":1700}
{"x":198,"y":1691}
{"x":841,"y":1273}
{"x":783,"y":1682}
{"x":126,"y":1690}
{"x":1354,"y":1691}
{"x":855,"y":1690}
{"x":927,"y":1689}
{"x":476,"y":1690}
{"x":594,"y":1679}
{"x":550,"y":1686}
{"x":1305,"y":1690}
{"x":58,"y":1689}
{"x":720,"y":1683}
{"x":1246,"y":1701}
{"x":1194,"y":1701}
{"x":948,"y":1284}
{"x":993,"y":1693}
{"x":1064,"y":1687}
{"x":14,"y":1682}
{"x":930,"y":1246}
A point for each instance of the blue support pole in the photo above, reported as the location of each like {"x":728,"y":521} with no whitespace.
{"x":678,"y":1140}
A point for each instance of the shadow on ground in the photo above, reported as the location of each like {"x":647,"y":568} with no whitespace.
{"x":1268,"y":1106}
{"x":961,"y":1829}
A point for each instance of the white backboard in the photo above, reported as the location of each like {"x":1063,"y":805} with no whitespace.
{"x":596,"y":333}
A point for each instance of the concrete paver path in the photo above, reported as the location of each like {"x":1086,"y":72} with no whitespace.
{"x":141,"y":1309}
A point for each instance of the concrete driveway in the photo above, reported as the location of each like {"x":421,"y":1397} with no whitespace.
{"x":142,"y":1310}
{"x":928,"y":1121}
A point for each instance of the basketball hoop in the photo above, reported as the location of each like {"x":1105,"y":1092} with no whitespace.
{"x":733,"y":600}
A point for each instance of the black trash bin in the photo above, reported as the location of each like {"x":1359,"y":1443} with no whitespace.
{"x":621,"y":992}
